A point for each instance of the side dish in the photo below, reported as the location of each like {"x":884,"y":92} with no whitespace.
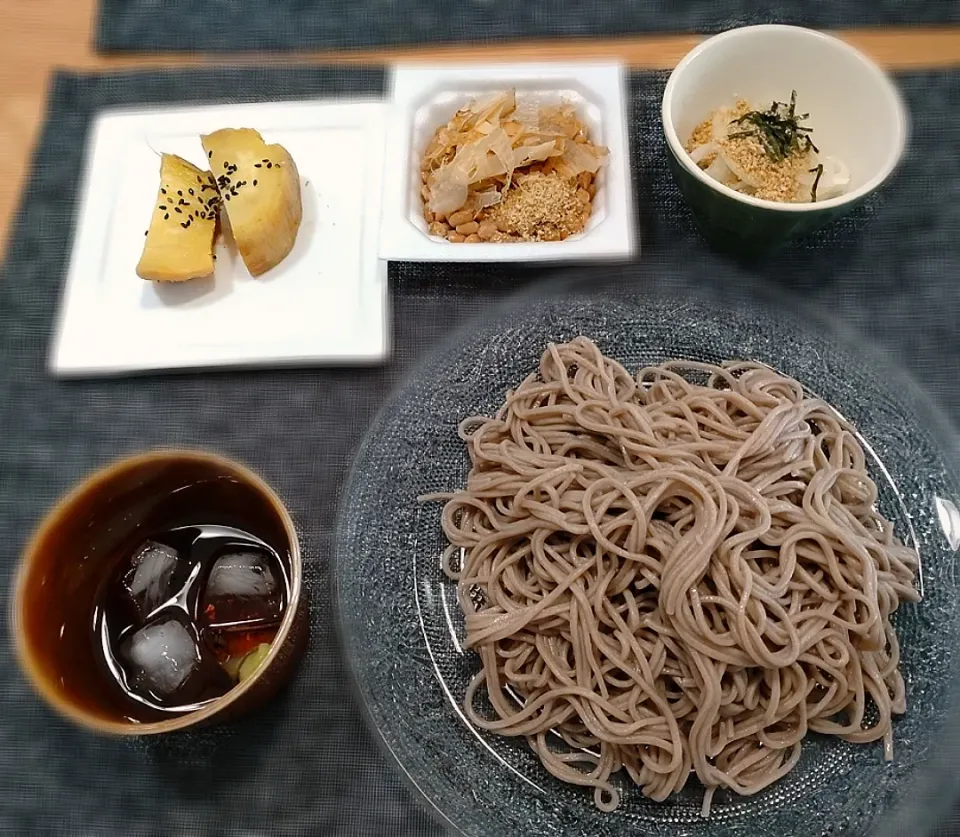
{"x":505,"y":171}
{"x":766,"y":153}
{"x":256,"y":185}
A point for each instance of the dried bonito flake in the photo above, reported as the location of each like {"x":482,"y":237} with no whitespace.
{"x":482,"y":155}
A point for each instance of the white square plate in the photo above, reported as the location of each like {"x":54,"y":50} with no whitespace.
{"x":325,"y":302}
{"x":426,"y":97}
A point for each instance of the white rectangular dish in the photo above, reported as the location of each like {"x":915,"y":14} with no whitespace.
{"x":326,"y":302}
{"x":426,"y":97}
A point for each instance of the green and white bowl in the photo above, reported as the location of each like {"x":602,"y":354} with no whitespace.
{"x":855,"y":111}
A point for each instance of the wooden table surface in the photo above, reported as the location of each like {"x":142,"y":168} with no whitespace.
{"x":39,"y":36}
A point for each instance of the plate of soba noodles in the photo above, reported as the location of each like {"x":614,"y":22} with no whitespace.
{"x":638,"y":557}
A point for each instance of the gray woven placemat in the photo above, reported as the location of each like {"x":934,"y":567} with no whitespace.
{"x":234,"y":25}
{"x":306,"y":765}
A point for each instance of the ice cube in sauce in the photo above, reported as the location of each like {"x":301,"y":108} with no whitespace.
{"x":160,"y":657}
{"x":150,"y":581}
{"x":244,"y":591}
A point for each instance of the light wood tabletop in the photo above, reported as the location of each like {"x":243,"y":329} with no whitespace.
{"x":40,"y":36}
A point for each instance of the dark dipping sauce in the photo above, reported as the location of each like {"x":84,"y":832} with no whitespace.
{"x":204,"y":600}
{"x":147,"y":586}
{"x":189,"y":612}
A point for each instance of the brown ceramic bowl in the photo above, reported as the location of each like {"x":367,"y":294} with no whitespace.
{"x":78,"y":544}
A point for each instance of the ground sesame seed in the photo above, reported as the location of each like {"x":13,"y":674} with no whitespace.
{"x":544,"y":207}
{"x":702,"y":134}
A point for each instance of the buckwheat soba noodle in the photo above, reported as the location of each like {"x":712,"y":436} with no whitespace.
{"x":681,"y":572}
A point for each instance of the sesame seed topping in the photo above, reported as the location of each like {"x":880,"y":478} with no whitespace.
{"x":543,"y":208}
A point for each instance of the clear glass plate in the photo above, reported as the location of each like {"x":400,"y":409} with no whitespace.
{"x":402,"y":629}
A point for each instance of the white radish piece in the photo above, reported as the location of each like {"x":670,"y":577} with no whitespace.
{"x":835,"y":179}
{"x":720,"y":124}
{"x":719,"y":170}
{"x":701,"y":152}
{"x":833,"y":182}
{"x":738,"y":172}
